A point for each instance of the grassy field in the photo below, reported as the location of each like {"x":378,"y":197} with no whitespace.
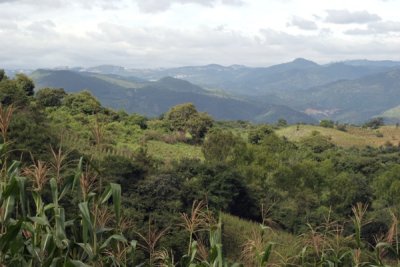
{"x":170,"y":152}
{"x":236,"y":232}
{"x":353,"y":137}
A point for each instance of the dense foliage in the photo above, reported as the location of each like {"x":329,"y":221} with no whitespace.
{"x":125,"y":204}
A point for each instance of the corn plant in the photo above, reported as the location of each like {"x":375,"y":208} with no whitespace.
{"x":199,"y":254}
{"x":257,"y":250}
{"x":39,"y":233}
{"x":390,"y":244}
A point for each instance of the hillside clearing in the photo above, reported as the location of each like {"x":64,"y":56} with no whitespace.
{"x":353,"y":137}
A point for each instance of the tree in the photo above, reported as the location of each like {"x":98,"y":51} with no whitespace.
{"x":186,"y":118}
{"x":317,"y":142}
{"x":220,"y":145}
{"x":374,"y":123}
{"x":387,"y":186}
{"x":137,"y":119}
{"x":326,"y":123}
{"x":282,"y":123}
{"x":2,"y":75}
{"x":346,"y":190}
{"x":198,"y":125}
{"x":82,"y":102}
{"x":256,"y":135}
{"x":30,"y":133}
{"x":124,"y":171}
{"x":25,"y":83}
{"x":10,"y":93}
{"x":179,"y":115}
{"x":50,"y":97}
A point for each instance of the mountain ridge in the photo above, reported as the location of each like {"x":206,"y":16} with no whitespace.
{"x":154,"y":98}
{"x":348,"y":91}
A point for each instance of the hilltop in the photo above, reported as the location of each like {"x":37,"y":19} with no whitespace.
{"x":298,"y":91}
{"x":352,"y":137}
{"x":153,"y":98}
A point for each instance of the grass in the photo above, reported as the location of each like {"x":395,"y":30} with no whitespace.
{"x":236,"y":232}
{"x":170,"y":152}
{"x":353,"y":137}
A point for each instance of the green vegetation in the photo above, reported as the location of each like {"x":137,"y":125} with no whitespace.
{"x":353,"y":136}
{"x":153,"y":98}
{"x":298,"y":91}
{"x":84,"y":185}
{"x":374,"y":123}
{"x":326,"y":123}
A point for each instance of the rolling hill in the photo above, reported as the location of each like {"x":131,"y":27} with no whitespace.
{"x":300,"y":91}
{"x":281,"y":79}
{"x":155,"y":98}
{"x":353,"y":137}
{"x":353,"y":100}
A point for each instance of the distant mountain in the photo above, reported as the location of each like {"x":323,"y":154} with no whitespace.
{"x":12,"y":72}
{"x":281,"y":79}
{"x":348,"y":91}
{"x":110,"y":94}
{"x":353,"y":100}
{"x":374,"y":64}
{"x":108,"y":69}
{"x":391,"y":115}
{"x":155,"y":98}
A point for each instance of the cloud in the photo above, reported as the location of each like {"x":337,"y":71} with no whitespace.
{"x":358,"y":31}
{"x":303,"y":24}
{"x":146,"y":47}
{"x":154,"y":6}
{"x":380,"y":27}
{"x":46,"y":33}
{"x":385,"y":26}
{"x":45,"y":28}
{"x":233,"y":2}
{"x":59,"y":4}
{"x":344,"y":16}
{"x":147,"y":6}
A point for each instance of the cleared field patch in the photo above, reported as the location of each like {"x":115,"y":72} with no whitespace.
{"x":353,"y":137}
{"x":170,"y":152}
{"x":236,"y":232}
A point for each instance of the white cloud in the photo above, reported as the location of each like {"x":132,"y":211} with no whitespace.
{"x":380,"y":27}
{"x":43,"y":26}
{"x":385,"y":26}
{"x":344,"y":16}
{"x":154,"y":33}
{"x":303,"y":24}
{"x":153,"y":6}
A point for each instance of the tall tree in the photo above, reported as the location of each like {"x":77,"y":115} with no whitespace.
{"x":186,"y":118}
{"x":25,"y":83}
{"x":50,"y":97}
{"x":2,"y":75}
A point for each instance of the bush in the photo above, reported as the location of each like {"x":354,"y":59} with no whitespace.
{"x":326,"y":123}
{"x":257,"y":134}
{"x":374,"y":123}
{"x":169,"y":138}
{"x":341,"y":127}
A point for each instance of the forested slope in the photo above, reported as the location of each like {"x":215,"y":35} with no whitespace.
{"x":80,"y":184}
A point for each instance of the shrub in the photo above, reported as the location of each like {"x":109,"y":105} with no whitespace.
{"x":326,"y":123}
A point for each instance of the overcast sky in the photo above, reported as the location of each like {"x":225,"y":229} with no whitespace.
{"x":165,"y":33}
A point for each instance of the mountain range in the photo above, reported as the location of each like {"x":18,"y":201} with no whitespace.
{"x":298,"y":91}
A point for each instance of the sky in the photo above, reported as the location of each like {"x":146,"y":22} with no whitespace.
{"x":170,"y":33}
